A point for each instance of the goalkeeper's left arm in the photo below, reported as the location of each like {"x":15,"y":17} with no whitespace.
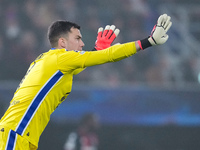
{"x":105,"y":37}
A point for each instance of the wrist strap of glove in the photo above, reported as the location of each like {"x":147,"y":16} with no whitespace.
{"x":94,"y":49}
{"x":144,"y":43}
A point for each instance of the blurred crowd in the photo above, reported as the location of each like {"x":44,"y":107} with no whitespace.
{"x":23,"y":37}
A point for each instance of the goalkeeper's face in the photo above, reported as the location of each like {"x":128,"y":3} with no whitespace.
{"x":73,"y":40}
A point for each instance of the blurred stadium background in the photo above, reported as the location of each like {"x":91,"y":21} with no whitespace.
{"x":150,"y":101}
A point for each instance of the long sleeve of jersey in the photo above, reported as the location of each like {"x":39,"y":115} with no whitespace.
{"x":72,"y":60}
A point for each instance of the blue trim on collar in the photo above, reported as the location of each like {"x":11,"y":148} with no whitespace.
{"x":56,"y":48}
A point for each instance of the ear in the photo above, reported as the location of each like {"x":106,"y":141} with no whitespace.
{"x":62,"y":43}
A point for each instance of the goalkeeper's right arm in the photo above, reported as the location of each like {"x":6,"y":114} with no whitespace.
{"x":121,"y":51}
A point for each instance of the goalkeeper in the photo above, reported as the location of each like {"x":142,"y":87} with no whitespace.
{"x":49,"y":78}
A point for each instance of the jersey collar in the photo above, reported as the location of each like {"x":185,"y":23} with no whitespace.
{"x":56,"y":48}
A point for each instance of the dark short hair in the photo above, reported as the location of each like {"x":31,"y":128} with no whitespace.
{"x":59,"y":28}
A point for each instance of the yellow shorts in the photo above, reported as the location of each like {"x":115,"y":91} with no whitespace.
{"x":10,"y":140}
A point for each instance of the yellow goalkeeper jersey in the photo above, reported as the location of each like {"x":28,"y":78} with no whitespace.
{"x":48,"y":82}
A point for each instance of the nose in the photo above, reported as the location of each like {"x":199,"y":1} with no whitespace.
{"x":82,"y":44}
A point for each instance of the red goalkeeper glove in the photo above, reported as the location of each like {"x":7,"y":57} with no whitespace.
{"x":106,"y":37}
{"x":159,"y":33}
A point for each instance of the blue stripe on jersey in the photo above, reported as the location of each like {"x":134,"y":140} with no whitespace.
{"x":37,"y":101}
{"x":11,"y":140}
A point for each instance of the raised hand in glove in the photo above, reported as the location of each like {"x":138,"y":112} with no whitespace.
{"x":159,"y":33}
{"x":106,"y":37}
